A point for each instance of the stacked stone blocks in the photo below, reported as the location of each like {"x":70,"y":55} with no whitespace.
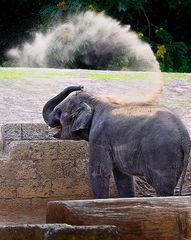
{"x":35,"y":165}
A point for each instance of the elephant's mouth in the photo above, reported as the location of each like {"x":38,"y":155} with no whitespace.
{"x":58,"y":133}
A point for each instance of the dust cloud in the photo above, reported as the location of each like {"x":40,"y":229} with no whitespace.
{"x":89,"y":40}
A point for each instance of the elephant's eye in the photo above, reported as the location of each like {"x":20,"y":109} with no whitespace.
{"x":58,"y":111}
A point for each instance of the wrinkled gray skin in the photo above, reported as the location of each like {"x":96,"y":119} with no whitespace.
{"x":135,"y":140}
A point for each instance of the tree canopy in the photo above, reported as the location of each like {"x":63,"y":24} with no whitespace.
{"x":164,"y":24}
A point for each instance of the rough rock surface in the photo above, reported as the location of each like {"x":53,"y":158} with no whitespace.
{"x":57,"y":232}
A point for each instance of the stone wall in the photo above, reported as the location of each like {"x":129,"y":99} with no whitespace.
{"x":35,"y":166}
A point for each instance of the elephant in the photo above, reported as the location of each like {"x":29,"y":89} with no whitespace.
{"x":135,"y":139}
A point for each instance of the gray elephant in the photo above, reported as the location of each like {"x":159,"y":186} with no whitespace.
{"x":130,"y":140}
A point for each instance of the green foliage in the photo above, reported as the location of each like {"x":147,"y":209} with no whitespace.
{"x":119,"y":62}
{"x":164,"y":24}
{"x":51,"y":12}
{"x":124,"y":5}
{"x":6,"y":64}
{"x":171,"y":54}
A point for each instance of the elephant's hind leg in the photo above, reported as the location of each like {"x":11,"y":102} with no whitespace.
{"x":163,"y":185}
{"x":165,"y":189}
{"x":163,"y":170}
{"x":125,"y":184}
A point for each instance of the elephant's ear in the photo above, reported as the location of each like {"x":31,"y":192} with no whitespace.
{"x":83,"y":117}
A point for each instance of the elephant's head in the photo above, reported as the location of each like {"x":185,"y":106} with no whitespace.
{"x":71,"y":116}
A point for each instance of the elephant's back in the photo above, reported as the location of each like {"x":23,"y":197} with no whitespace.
{"x":151,"y":122}
{"x":139,"y":110}
{"x":165,"y":130}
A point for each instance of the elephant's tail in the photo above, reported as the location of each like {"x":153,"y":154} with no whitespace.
{"x":186,"y":151}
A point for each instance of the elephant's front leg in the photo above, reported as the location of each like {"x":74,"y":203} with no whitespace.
{"x":100,"y":168}
{"x":125,"y":184}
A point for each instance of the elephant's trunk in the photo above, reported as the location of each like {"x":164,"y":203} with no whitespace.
{"x":52,"y":103}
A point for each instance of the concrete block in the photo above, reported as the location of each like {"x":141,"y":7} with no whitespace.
{"x":39,"y":203}
{"x":7,"y":189}
{"x":24,"y":169}
{"x":16,"y":211}
{"x":34,"y":188}
{"x":74,"y":168}
{"x":11,"y":131}
{"x":73,"y":150}
{"x":33,"y":150}
{"x":24,"y":150}
{"x":36,"y":131}
{"x":9,"y":204}
{"x":7,"y":180}
{"x":70,"y":188}
{"x":57,"y":232}
{"x":6,"y":171}
{"x":50,"y":150}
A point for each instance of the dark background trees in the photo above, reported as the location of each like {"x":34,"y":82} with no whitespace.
{"x":164,"y":24}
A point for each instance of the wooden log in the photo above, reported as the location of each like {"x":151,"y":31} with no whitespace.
{"x":137,"y":218}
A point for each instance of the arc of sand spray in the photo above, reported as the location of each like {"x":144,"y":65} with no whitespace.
{"x":92,"y":40}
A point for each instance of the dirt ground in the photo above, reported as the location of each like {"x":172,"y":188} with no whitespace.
{"x":23,"y":91}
